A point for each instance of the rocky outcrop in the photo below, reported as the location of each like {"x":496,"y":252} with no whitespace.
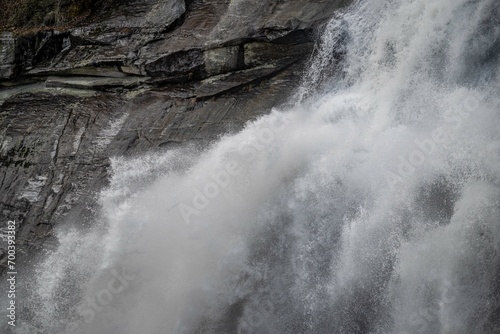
{"x":161,"y":38}
{"x":150,"y":76}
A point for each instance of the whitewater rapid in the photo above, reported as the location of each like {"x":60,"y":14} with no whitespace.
{"x":370,"y":204}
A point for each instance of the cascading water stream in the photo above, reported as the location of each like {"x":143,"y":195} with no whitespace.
{"x":372,"y":205}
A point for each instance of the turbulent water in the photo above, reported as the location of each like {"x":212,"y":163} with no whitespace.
{"x":370,"y":204}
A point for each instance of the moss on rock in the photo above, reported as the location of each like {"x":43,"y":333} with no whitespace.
{"x":36,"y":13}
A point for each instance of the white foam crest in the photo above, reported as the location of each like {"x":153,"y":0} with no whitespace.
{"x":374,"y":204}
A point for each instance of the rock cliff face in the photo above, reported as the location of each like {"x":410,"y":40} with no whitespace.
{"x":150,"y":75}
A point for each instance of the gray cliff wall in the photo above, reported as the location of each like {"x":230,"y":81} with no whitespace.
{"x":153,"y":75}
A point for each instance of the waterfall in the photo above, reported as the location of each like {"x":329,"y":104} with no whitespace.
{"x":369,"y":204}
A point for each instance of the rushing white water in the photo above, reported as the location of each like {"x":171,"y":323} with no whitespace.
{"x":370,"y":206}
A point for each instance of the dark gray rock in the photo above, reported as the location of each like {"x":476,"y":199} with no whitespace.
{"x":154,"y":75}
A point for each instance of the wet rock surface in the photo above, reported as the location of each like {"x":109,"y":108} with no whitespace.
{"x":152,"y":76}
